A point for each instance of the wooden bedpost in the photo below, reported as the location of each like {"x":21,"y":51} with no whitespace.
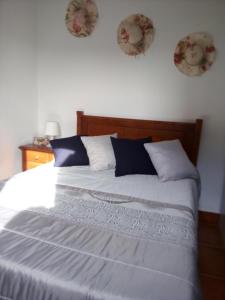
{"x":79,"y":122}
{"x":196,"y":142}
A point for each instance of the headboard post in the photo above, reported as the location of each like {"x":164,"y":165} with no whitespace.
{"x":79,"y":122}
{"x":196,"y":143}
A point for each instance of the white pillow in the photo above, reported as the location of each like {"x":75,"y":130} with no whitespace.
{"x":171,"y":161}
{"x":100,"y":151}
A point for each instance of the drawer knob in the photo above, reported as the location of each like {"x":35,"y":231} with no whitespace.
{"x":36,"y":157}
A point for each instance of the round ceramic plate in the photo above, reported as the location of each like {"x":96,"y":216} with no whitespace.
{"x":81,"y":17}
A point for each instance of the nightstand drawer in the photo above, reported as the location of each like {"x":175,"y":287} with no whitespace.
{"x":37,"y":156}
{"x":31,"y":165}
{"x":34,"y":156}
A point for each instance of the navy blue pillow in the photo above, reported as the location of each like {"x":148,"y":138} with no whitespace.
{"x":131,"y":157}
{"x":69,"y":152}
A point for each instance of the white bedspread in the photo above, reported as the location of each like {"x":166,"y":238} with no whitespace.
{"x":183,"y":192}
{"x":71,"y":233}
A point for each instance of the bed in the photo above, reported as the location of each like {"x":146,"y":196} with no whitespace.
{"x":73,"y":234}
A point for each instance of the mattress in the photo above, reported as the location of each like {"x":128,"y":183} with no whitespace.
{"x":72,"y":233}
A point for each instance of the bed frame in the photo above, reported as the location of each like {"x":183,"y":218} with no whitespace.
{"x":188,"y":133}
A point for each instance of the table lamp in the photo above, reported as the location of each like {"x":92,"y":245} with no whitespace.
{"x":52,"y":130}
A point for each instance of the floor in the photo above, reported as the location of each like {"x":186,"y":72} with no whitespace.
{"x":211,"y":261}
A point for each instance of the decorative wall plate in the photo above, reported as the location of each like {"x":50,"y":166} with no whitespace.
{"x":81,"y":17}
{"x":135,"y":34}
{"x":195,"y":54}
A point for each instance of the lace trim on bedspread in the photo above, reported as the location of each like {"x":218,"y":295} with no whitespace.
{"x":94,"y":208}
{"x":120,"y":199}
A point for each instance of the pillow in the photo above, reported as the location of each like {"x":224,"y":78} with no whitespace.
{"x":69,"y":151}
{"x":100,"y":152}
{"x":170,"y":160}
{"x":131,"y":157}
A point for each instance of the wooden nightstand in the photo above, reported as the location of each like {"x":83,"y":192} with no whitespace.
{"x":33,"y":156}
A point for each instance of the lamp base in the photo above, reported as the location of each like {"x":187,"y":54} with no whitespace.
{"x":50,"y":138}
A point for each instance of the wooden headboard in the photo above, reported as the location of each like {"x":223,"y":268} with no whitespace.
{"x":187,"y":133}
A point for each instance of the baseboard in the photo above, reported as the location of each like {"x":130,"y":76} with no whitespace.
{"x":209,"y":217}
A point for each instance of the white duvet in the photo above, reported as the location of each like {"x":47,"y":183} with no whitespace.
{"x":41,"y":181}
{"x":71,"y":233}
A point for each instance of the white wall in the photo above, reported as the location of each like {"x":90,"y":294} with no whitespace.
{"x":94,"y":75}
{"x":18,"y":98}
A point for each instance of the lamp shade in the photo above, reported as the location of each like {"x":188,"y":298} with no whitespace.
{"x":52,"y":129}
